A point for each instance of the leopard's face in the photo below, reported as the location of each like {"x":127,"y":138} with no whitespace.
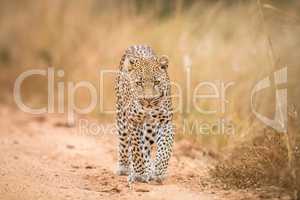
{"x":149,"y":80}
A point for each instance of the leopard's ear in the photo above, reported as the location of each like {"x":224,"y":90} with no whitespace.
{"x":164,"y":61}
{"x":128,"y":64}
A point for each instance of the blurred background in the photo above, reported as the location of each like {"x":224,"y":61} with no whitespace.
{"x":229,"y":41}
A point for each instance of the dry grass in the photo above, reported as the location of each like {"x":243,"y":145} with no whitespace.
{"x":260,"y":161}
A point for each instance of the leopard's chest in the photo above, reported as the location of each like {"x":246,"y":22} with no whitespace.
{"x":148,"y":116}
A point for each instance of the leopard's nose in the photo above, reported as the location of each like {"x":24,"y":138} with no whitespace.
{"x":148,"y":101}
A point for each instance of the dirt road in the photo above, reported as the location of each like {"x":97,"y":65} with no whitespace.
{"x":42,"y":158}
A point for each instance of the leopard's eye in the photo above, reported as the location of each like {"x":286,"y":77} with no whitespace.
{"x":139,"y":83}
{"x":131,"y":61}
{"x":156,"y":82}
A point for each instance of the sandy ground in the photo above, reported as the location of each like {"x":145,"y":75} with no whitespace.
{"x":42,"y":158}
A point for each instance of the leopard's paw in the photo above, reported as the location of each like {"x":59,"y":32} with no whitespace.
{"x":122,"y":170}
{"x":144,"y":178}
{"x":159,"y":178}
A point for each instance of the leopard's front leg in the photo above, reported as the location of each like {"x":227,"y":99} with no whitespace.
{"x":165,"y":139}
{"x":138,"y":167}
{"x":123,"y":160}
{"x":148,"y":141}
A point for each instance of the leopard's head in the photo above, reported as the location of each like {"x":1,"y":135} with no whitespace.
{"x":149,"y":81}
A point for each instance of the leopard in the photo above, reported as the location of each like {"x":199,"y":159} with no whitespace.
{"x":144,"y":115}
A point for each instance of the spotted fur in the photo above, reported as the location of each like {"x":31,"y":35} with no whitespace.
{"x":144,"y":115}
